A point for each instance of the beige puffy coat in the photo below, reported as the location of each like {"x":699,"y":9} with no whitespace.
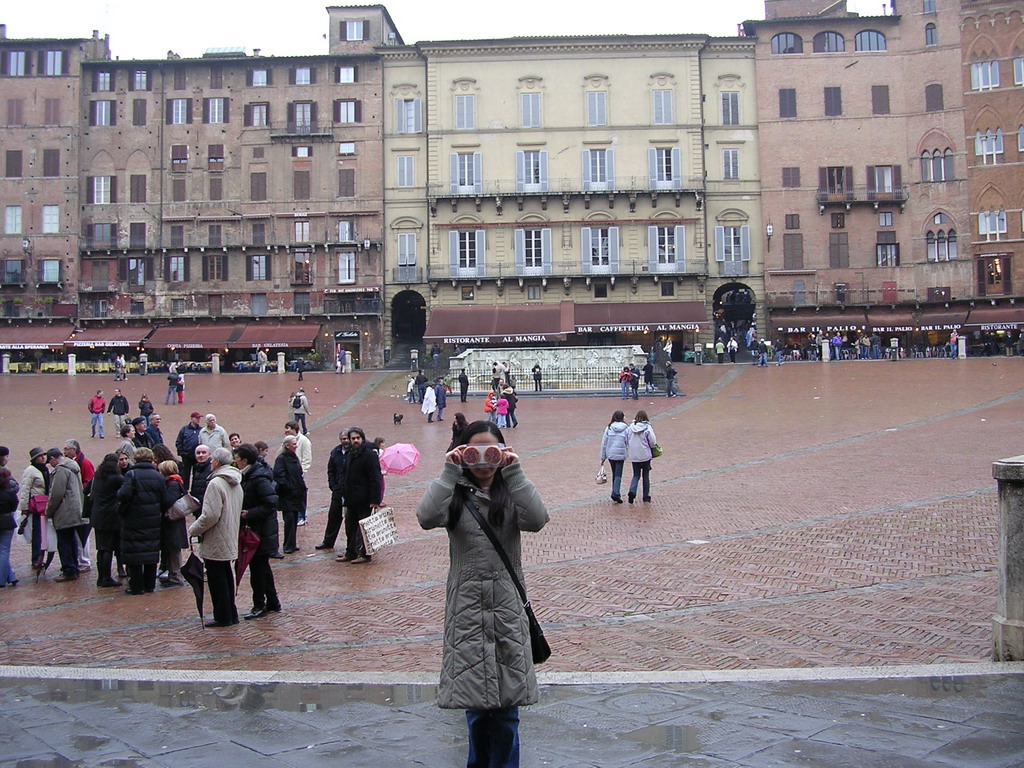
{"x":221,"y":517}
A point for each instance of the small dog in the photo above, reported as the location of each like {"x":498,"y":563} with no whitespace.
{"x":398,"y":418}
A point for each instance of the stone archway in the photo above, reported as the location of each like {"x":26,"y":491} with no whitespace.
{"x":735,"y":312}
{"x":408,"y":316}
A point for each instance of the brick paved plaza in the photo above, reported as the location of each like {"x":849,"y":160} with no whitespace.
{"x":804,"y":516}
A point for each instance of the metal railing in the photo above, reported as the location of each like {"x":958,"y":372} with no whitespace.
{"x":552,"y":379}
{"x":829,"y":295}
{"x":566,"y":185}
{"x":569,"y":268}
{"x":861,"y":194}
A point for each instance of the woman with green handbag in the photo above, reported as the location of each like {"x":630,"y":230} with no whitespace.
{"x":640,"y":442}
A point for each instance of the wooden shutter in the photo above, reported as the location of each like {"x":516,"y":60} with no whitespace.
{"x":453,"y":252}
{"x":206,"y":110}
{"x":652,"y":247}
{"x":139,"y":112}
{"x":366,"y":30}
{"x":337,"y":110}
{"x":300,"y":185}
{"x":585,"y":250}
{"x":359,"y":111}
{"x":745,"y":243}
{"x":520,"y":170}
{"x":113,"y":112}
{"x":122,"y":270}
{"x":586,"y":170}
{"x":113,"y":189}
{"x":478,"y":174}
{"x":169,"y":111}
{"x":206,"y":268}
{"x":677,"y":168}
{"x":313,"y":115}
{"x":792,"y":251}
{"x":167,"y":269}
{"x":51,"y":162}
{"x":224,"y":262}
{"x":545,"y":250}
{"x":897,"y":178}
{"x":453,"y":169}
{"x":848,"y":181}
{"x":481,"y":252}
{"x":227,"y":107}
{"x":65,"y":63}
{"x":520,"y":248}
{"x":981,"y":277}
{"x":719,"y":243}
{"x":880,"y":99}
{"x":188,"y":111}
{"x":346,"y":182}
{"x":291,"y":75}
{"x":613,"y":248}
{"x":544,"y":170}
{"x":680,"y":246}
{"x":258,"y":186}
{"x":187,"y":260}
{"x":90,"y":190}
{"x":270,"y":76}
{"x":822,"y":179}
{"x":312,"y":75}
{"x":870,"y":170}
{"x":652,"y":166}
{"x":247,"y":115}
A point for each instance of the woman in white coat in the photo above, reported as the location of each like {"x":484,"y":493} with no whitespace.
{"x":640,"y":442}
{"x":429,"y":404}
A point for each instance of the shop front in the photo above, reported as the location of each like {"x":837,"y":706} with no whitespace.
{"x":298,"y":342}
{"x":96,"y":348}
{"x":34,"y":348}
{"x":803,"y":333}
{"x":669,"y":327}
{"x":935,"y":326}
{"x":994,"y":330}
{"x":504,"y":326}
{"x":194,"y":345}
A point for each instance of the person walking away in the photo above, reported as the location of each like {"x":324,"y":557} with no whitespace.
{"x":463,"y":385}
{"x":429,"y":405}
{"x":145,"y":407}
{"x":634,"y":381}
{"x":217,"y":527}
{"x":536,"y":371}
{"x":363,"y":492}
{"x":120,"y":408}
{"x":259,"y":514}
{"x":720,"y":350}
{"x":510,"y":395}
{"x":440,"y":397}
{"x":140,"y":506}
{"x":143,"y":363}
{"x":291,"y":489}
{"x":613,"y":450}
{"x":649,"y":377}
{"x":97,"y":405}
{"x":185,"y":445}
{"x":492,"y":675}
{"x":64,"y":508}
{"x":173,"y":533}
{"x":172,"y":385}
{"x":8,"y":506}
{"x":105,"y":521}
{"x":300,"y":409}
{"x":421,"y":386}
{"x":733,"y":347}
{"x":670,"y":380}
{"x":336,"y":483}
{"x":640,"y":441}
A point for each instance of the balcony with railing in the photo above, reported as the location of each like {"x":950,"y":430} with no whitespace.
{"x":844,"y":294}
{"x":860,"y":195}
{"x":569,"y":268}
{"x":309,"y":129}
{"x":338,"y":306}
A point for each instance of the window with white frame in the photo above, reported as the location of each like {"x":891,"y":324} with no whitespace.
{"x":928,"y":6}
{"x":49,"y":271}
{"x":346,"y":74}
{"x":354,"y":30}
{"x":405,"y":167}
{"x":465,"y":112}
{"x":1020,"y":139}
{"x":597,"y":108}
{"x":989,"y":146}
{"x":179,"y":111}
{"x":466,"y":249}
{"x":406,"y":249}
{"x":16,"y":63}
{"x":598,"y":169}
{"x":346,"y":111}
{"x":346,"y":148}
{"x":346,"y":266}
{"x":931,"y":35}
{"x":258,"y":266}
{"x":140,"y":80}
{"x":259,"y":78}
{"x":937,"y":165}
{"x":259,"y":115}
{"x":216,"y":109}
{"x":600,"y":247}
{"x":984,"y":75}
{"x":176,"y":269}
{"x":942,"y":245}
{"x":54,"y":64}
{"x":51,"y":219}
{"x":730,"y":108}
{"x":992,"y":224}
{"x":346,"y":233}
{"x":104,"y":81}
{"x":408,"y":115}
{"x":887,"y":250}
{"x":12,"y":220}
{"x":730,"y":164}
{"x":466,"y":171}
{"x":529,"y":110}
{"x":1018,"y":70}
{"x":101,"y":113}
{"x":303,"y":76}
{"x":885,"y":218}
{"x":135,"y":270}
{"x":732,"y":243}
{"x":301,"y":231}
{"x":664,"y":168}
{"x":666,"y":247}
{"x":302,"y":266}
{"x":883,"y":178}
{"x":532,"y":171}
{"x":533,"y":251}
{"x":662,"y":107}
{"x":101,"y":190}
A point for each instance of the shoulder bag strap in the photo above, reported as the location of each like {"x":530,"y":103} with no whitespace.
{"x":475,"y":511}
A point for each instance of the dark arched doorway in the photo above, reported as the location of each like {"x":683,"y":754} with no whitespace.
{"x":408,"y":316}
{"x":735,"y":312}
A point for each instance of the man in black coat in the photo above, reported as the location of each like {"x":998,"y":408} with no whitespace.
{"x":141,"y":438}
{"x":291,"y":490}
{"x":185,"y":445}
{"x":363,"y":491}
{"x":259,"y":512}
{"x":201,"y":470}
{"x":153,"y":430}
{"x":140,"y":505}
{"x":336,"y":482}
{"x":118,"y":406}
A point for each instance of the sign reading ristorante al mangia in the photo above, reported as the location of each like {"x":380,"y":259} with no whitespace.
{"x":513,"y":338}
{"x":638,"y":328}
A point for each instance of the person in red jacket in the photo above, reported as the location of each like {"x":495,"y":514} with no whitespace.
{"x":97,"y":405}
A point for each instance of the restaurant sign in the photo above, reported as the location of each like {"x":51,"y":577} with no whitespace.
{"x":511,"y":338}
{"x":1000,"y":326}
{"x":638,"y":328}
{"x":812,"y":327}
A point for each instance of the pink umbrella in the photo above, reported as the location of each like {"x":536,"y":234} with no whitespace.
{"x":400,"y":458}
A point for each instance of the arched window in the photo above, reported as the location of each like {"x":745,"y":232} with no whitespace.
{"x":931,"y":35}
{"x":926,"y":166}
{"x":937,"y":165}
{"x":1020,"y":139}
{"x":942,"y":245}
{"x":948,"y":168}
{"x":829,"y":42}
{"x":787,"y":42}
{"x":932,"y":252}
{"x":951,"y":248}
{"x":989,"y":146}
{"x":869,"y":40}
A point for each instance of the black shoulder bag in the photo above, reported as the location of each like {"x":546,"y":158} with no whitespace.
{"x":538,"y":645}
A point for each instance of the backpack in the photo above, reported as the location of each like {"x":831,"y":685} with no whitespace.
{"x":297,"y":402}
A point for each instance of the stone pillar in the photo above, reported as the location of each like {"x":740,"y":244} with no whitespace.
{"x":72,"y":358}
{"x":216,"y":363}
{"x":826,"y":352}
{"x":280,"y":366}
{"x":5,"y":365}
{"x":1008,"y":624}
{"x":961,"y":348}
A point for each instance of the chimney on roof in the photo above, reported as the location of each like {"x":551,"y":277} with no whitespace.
{"x":95,"y":34}
{"x":256,"y":51}
{"x":3,"y":31}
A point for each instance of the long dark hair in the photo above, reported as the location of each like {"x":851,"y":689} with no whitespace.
{"x":617,"y":416}
{"x":106,"y":468}
{"x":501,"y":499}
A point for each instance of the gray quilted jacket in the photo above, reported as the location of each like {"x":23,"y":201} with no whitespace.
{"x":486,"y":662}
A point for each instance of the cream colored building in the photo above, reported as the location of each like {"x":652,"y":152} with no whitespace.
{"x":576,"y":190}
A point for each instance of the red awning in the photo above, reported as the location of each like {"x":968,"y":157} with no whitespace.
{"x":996,"y":318}
{"x":194,"y":336}
{"x":258,"y":335}
{"x":34,"y":336}
{"x":501,"y":324}
{"x":787,"y":322}
{"x":885,"y":321}
{"x":941,"y":319}
{"x":641,"y":317}
{"x":109,"y":337}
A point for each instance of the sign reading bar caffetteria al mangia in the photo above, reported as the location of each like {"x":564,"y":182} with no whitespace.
{"x":638,"y":328}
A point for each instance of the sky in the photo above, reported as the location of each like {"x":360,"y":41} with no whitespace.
{"x":190,"y":27}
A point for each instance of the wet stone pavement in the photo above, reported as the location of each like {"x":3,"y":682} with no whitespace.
{"x":955,"y":720}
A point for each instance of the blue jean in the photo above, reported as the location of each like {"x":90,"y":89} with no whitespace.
{"x":6,"y":571}
{"x":493,"y":738}
{"x":624,"y":385}
{"x":172,"y":394}
{"x":96,"y":421}
{"x":67,"y":548}
{"x":300,"y":418}
{"x":616,"y":465}
{"x":641,"y":469}
{"x":670,"y":387}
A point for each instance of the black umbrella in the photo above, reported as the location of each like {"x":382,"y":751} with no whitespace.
{"x":192,"y":571}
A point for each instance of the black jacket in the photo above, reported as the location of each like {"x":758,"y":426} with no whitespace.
{"x":188,"y":439}
{"x":146,"y":408}
{"x":362,"y":478}
{"x":140,"y":505}
{"x":9,"y":503}
{"x":173,"y":533}
{"x":289,"y":483}
{"x":143,"y":440}
{"x":259,"y":500}
{"x":155,"y":434}
{"x":104,"y":502}
{"x":118,"y":405}
{"x":200,"y":477}
{"x":336,"y":470}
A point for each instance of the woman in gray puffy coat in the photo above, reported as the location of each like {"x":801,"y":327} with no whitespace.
{"x":613,"y":450}
{"x":487,"y":666}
